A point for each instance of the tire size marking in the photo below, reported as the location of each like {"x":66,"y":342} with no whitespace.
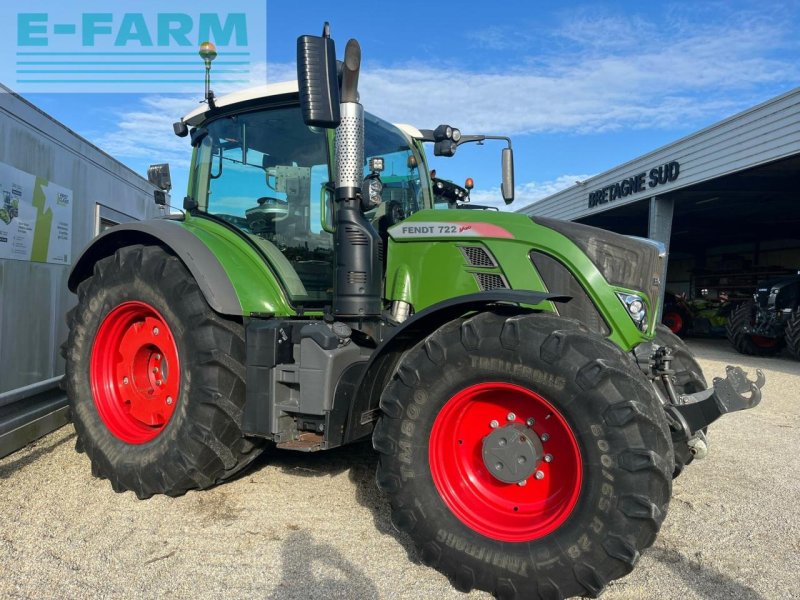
{"x":606,"y":500}
{"x":582,"y":545}
{"x":407,"y":427}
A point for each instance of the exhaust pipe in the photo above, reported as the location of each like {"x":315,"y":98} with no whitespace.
{"x":358,"y":276}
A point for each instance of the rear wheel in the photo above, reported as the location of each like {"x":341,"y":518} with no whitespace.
{"x":520,"y":462}
{"x":793,"y":334}
{"x":155,"y":377}
{"x":741,"y":319}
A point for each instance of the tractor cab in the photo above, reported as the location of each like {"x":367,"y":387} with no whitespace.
{"x":258,"y":168}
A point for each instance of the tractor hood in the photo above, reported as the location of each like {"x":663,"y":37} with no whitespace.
{"x":630,"y":262}
{"x":597,"y":265}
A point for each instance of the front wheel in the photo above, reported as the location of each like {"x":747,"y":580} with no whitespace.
{"x":155,"y":378}
{"x":524,"y":455}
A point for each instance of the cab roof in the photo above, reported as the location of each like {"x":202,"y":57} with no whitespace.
{"x":254,"y":93}
{"x":266,"y":91}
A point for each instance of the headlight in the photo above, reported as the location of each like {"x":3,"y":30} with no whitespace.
{"x":636,"y":308}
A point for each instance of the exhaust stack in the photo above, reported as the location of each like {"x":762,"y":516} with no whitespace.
{"x":357,"y":287}
{"x":358,"y":275}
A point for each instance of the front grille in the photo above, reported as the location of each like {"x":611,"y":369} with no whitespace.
{"x":478,"y":257}
{"x":490,"y":281}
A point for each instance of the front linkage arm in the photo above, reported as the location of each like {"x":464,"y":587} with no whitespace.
{"x":694,"y":412}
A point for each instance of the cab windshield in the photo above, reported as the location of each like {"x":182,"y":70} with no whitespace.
{"x":264,"y":172}
{"x":405,"y":184}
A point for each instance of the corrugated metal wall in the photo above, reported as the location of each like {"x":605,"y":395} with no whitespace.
{"x":762,"y":134}
{"x":34,"y":296}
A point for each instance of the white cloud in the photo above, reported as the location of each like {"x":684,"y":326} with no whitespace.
{"x":606,"y":73}
{"x":525,"y":194}
{"x":146,"y":133}
{"x":689,"y":81}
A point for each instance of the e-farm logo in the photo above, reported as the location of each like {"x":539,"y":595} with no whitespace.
{"x":143,"y":46}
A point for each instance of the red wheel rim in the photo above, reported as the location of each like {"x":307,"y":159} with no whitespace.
{"x":674,"y":321}
{"x":135,"y":372}
{"x":764,"y":342}
{"x":503,"y":511}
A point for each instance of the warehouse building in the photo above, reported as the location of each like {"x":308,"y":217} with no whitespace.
{"x":724,"y":200}
{"x":57,"y":191}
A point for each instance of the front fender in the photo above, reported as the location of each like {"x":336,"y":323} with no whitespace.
{"x":381,"y":365}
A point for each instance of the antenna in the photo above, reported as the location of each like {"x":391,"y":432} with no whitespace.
{"x":208,"y":52}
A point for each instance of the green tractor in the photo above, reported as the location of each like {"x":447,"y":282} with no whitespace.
{"x":528,"y":412}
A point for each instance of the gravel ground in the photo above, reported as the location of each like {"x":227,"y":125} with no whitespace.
{"x":300,"y":526}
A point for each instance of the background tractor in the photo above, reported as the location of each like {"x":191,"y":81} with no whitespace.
{"x":528,"y":412}
{"x":770,"y":322}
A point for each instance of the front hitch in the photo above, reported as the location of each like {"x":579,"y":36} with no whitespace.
{"x":697,"y":411}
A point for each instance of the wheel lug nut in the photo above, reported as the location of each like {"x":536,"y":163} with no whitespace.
{"x":545,"y":437}
{"x":155,"y":369}
{"x":125,"y":380}
{"x":502,"y":442}
{"x":157,"y":357}
{"x":522,"y":483}
{"x":548,"y":458}
{"x":159,"y":382}
{"x":155,"y":330}
{"x":169,"y":400}
{"x":531,"y":422}
{"x":498,"y":467}
{"x":539,"y":475}
{"x":493,"y":424}
{"x":511,"y":417}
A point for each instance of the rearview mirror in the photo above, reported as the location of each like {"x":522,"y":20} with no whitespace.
{"x":507,"y":167}
{"x":159,"y":176}
{"x":317,"y":80}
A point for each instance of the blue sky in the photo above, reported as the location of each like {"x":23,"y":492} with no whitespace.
{"x":580,"y":87}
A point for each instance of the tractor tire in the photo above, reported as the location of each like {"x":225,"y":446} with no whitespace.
{"x":596,"y":490}
{"x":793,"y":334}
{"x":688,"y":380}
{"x":155,"y":378}
{"x":747,"y":343}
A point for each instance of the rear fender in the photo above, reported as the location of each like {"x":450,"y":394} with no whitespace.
{"x":206,"y":269}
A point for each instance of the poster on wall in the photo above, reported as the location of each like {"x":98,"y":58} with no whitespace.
{"x":35,"y":218}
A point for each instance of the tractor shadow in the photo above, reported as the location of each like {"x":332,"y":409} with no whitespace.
{"x":706,"y":581}
{"x":360,"y":462}
{"x":310,"y":565}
